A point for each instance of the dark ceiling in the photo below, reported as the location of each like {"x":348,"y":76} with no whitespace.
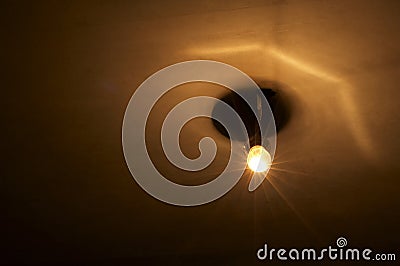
{"x":69,"y":70}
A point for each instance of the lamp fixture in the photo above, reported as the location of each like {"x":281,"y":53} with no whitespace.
{"x":259,"y":159}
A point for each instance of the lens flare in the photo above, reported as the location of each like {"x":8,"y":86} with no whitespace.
{"x":258,"y":160}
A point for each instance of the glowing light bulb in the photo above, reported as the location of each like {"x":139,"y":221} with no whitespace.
{"x":259,"y":160}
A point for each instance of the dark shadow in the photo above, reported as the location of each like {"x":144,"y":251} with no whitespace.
{"x":279,"y":105}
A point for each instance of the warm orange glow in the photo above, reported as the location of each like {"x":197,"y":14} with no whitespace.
{"x":259,"y":160}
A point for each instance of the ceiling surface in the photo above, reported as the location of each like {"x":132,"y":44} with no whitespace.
{"x":69,"y":70}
